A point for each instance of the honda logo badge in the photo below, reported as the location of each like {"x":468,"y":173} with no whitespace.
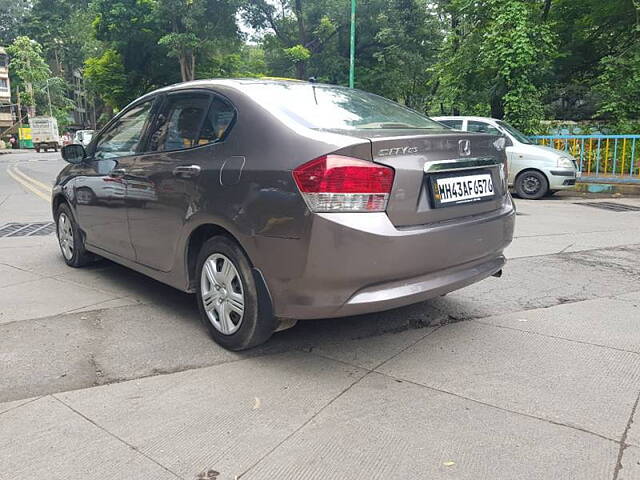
{"x":464,"y":147}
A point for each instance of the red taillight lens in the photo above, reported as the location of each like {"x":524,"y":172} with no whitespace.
{"x":333,"y":183}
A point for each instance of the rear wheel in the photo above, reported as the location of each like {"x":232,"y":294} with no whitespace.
{"x":70,"y":239}
{"x":228,"y":297}
{"x":531,"y":185}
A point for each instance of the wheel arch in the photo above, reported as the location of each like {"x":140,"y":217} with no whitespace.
{"x":58,"y":200}
{"x":198,"y":236}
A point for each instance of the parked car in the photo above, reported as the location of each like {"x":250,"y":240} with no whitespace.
{"x":275,"y":201}
{"x":534,"y":170}
{"x":83,"y":137}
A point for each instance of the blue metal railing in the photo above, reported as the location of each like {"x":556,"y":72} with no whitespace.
{"x":600,"y":156}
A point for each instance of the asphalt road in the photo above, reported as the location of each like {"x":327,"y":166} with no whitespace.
{"x":104,"y":372}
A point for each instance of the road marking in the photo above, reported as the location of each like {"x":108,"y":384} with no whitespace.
{"x":37,"y":183}
{"x":25,"y":182}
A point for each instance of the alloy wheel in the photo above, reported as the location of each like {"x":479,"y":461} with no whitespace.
{"x":65,"y":235}
{"x":222,"y":293}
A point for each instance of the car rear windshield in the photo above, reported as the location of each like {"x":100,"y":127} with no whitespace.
{"x":326,"y":107}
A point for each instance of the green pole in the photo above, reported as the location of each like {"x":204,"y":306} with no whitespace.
{"x":352,"y":56}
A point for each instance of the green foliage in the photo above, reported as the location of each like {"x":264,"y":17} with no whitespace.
{"x":522,"y":60}
{"x":12,"y":13}
{"x":27,"y":61}
{"x":297,"y":53}
{"x":106,"y":77}
{"x":496,"y":60}
{"x":28,"y":65}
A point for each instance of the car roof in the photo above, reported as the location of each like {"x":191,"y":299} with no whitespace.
{"x":236,"y":83}
{"x":464,"y":117}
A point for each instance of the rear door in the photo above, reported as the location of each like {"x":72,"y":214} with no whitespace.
{"x":427,"y":167}
{"x":184,"y":153}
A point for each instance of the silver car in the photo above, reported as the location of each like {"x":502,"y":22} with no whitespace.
{"x":534,"y":170}
{"x":275,"y":201}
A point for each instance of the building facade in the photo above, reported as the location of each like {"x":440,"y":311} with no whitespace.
{"x":6,"y":117}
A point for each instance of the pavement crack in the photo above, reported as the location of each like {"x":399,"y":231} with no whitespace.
{"x":623,"y":440}
{"x":121,"y":440}
{"x":556,"y":337}
{"x":502,"y":409}
{"x":21,"y":405}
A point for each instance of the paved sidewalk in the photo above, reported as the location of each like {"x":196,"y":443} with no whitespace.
{"x":544,"y":394}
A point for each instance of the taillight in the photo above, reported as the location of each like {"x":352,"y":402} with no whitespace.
{"x":333,"y":183}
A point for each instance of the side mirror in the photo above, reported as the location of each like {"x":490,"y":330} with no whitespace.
{"x":509,"y":143}
{"x":74,"y":153}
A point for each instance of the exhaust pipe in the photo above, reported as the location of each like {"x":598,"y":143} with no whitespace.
{"x":498,"y":274}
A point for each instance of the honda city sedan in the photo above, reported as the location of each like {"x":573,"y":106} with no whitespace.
{"x":275,"y":201}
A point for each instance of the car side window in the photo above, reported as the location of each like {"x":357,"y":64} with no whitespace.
{"x":178,"y":125}
{"x":219,"y":119}
{"x":456,"y":124}
{"x":123,"y":137}
{"x":482,"y":127}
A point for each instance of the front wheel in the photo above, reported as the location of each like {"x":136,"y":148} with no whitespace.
{"x":228,"y":297}
{"x":531,"y":185}
{"x":70,"y":239}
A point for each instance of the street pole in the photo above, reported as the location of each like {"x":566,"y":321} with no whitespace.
{"x":352,"y":55}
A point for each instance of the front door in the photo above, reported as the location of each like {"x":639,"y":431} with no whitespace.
{"x":185,"y":149}
{"x":101,"y":190}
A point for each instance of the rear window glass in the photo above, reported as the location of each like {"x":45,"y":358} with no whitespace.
{"x":456,"y":124}
{"x":328,"y":107}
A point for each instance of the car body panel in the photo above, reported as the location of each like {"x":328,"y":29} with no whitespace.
{"x":314,"y":265}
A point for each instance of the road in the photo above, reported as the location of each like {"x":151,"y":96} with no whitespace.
{"x":107,"y":373}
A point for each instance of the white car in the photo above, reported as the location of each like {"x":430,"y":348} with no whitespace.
{"x":83,"y":137}
{"x":534,"y":170}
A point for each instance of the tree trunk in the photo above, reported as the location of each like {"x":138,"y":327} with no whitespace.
{"x":545,"y":9}
{"x":302,"y":34}
{"x":300,"y":70}
{"x":187,"y":66}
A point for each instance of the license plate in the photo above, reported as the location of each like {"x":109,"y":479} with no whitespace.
{"x":449,"y":191}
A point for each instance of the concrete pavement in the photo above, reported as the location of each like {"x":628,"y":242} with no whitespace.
{"x":534,"y":375}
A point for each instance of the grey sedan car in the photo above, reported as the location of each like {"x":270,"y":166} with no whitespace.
{"x":275,"y":201}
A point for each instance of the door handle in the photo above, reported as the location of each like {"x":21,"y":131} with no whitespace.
{"x":117,"y":173}
{"x":187,"y":171}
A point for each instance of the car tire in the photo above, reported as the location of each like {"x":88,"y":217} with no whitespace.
{"x":531,"y":185}
{"x":37,"y":149}
{"x":70,"y":239}
{"x":228,"y":296}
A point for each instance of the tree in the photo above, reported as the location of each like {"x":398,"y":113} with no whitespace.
{"x":397,"y":42}
{"x":12,"y":14}
{"x":29,"y":66}
{"x":106,"y":77}
{"x":203,"y":27}
{"x":496,"y":59}
{"x":130,"y":29}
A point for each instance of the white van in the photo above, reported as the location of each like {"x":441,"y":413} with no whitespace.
{"x":534,"y":170}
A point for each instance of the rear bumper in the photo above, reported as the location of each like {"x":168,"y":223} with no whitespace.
{"x":361,"y":263}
